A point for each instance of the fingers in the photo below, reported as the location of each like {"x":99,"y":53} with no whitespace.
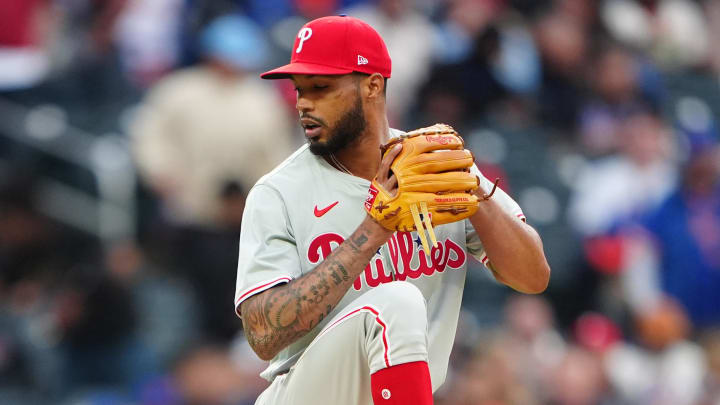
{"x":387,"y":160}
{"x":392,"y":182}
{"x":383,"y":174}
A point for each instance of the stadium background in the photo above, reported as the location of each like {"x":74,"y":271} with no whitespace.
{"x":130,"y":131}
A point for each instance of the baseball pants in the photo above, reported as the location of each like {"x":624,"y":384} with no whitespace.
{"x":383,"y":327}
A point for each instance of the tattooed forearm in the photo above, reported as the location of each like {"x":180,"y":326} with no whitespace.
{"x":279,"y":316}
{"x":338,"y":273}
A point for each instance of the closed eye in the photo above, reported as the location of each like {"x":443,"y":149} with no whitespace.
{"x":315,"y":87}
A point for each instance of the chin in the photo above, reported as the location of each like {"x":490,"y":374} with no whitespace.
{"x":319,"y":148}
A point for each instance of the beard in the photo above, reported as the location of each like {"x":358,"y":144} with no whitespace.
{"x":347,"y":131}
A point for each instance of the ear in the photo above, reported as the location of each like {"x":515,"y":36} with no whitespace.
{"x":373,"y":87}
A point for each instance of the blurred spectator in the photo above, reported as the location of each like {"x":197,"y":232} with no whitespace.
{"x":206,"y":376}
{"x":532,"y":341}
{"x":517,"y":64}
{"x":578,"y":380}
{"x":510,"y":364}
{"x":674,"y":31}
{"x":618,"y":188}
{"x":666,"y":369}
{"x":205,"y":127}
{"x":207,"y":258}
{"x":166,"y":308}
{"x":662,"y":325}
{"x":462,"y":92}
{"x":148,"y":38}
{"x":408,"y":35}
{"x":464,"y":21}
{"x":490,"y":377}
{"x":90,"y":339}
{"x":563,"y":43}
{"x":678,"y":251}
{"x":614,"y":77}
{"x":496,"y":76}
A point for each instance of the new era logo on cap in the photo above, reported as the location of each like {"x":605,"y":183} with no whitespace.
{"x":335,"y":45}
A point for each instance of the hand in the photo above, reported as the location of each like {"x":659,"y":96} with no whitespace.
{"x":426,"y":183}
{"x":384,"y":177}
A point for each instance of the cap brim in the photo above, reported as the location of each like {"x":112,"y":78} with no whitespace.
{"x":302,"y":68}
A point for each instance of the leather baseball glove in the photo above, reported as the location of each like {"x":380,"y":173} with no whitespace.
{"x":435,"y":185}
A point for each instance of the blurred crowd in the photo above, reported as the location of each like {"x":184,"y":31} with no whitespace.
{"x":131,"y":131}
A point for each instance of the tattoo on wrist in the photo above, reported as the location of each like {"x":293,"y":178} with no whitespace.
{"x":360,"y":240}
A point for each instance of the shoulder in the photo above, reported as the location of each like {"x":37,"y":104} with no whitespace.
{"x":297,"y":168}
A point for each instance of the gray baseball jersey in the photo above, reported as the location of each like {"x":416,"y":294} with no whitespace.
{"x":299,"y":212}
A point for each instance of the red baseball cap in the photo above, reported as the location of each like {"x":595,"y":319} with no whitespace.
{"x":335,"y":45}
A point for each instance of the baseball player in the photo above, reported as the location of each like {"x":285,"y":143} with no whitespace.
{"x":347,"y":310}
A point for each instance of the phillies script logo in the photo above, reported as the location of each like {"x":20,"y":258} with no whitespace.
{"x":402,"y":252}
{"x":441,"y":139}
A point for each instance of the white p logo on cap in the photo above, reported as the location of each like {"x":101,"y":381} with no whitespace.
{"x":304,"y":35}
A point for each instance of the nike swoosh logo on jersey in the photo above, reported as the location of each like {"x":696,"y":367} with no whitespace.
{"x":319,"y":213}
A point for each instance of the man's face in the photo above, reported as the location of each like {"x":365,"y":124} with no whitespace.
{"x":331,"y":111}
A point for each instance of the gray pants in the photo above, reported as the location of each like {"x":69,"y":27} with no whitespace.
{"x":381,"y":328}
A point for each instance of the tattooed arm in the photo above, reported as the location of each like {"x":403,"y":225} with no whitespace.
{"x":279,"y":316}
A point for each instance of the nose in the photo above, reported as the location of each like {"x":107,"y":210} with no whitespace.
{"x":303,"y":104}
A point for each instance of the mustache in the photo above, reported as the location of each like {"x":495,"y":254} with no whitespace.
{"x":316,"y":119}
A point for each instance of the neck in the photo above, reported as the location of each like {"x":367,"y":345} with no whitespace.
{"x":362,"y":158}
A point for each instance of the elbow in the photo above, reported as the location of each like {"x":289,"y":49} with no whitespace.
{"x":540,"y":281}
{"x":532,"y":280}
{"x":538,"y":288}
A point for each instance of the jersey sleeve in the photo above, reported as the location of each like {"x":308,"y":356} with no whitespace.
{"x":472,"y":240}
{"x":268,"y":253}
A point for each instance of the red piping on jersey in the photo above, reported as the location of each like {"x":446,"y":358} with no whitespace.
{"x":261,"y":287}
{"x":377,"y":319}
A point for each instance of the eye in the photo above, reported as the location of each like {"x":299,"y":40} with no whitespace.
{"x":319,"y":86}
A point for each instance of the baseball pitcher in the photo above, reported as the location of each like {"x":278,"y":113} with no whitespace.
{"x":353,"y":252}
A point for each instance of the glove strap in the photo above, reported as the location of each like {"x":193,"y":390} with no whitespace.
{"x":486,"y":197}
